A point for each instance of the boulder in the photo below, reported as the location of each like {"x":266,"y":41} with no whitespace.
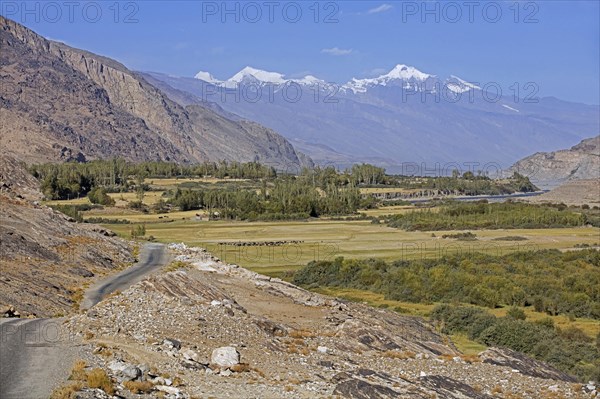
{"x":131,"y":373}
{"x":225,"y":357}
{"x":190,"y":355}
{"x":172,"y":343}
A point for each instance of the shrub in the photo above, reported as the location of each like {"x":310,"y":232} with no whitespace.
{"x":138,"y":386}
{"x":98,"y":195}
{"x":516,"y":313}
{"x":78,"y":371}
{"x":97,"y":378}
{"x":67,"y":391}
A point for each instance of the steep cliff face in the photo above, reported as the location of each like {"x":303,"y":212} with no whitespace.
{"x":61,"y":103}
{"x":549,"y":169}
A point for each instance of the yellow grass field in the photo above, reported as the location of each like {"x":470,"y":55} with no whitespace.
{"x":173,"y":182}
{"x":150,"y":198}
{"x":327,"y":239}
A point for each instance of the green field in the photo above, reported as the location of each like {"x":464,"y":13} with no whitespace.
{"x":327,"y":239}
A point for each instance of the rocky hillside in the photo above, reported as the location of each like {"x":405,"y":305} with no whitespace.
{"x":549,"y":169}
{"x":60,"y":103}
{"x":212,"y":329}
{"x":575,"y":192}
{"x":46,"y":258}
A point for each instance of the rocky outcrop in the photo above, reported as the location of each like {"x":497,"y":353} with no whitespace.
{"x":60,"y":104}
{"x":524,"y":364}
{"x":575,"y":192}
{"x":549,"y":169}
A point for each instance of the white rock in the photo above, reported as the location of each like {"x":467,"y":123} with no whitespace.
{"x":226,"y":373}
{"x":214,"y":302}
{"x":225,"y":356}
{"x":322,"y":349}
{"x":116,"y":366}
{"x":190,"y":355}
{"x":553,"y":388}
{"x":422,"y":374}
{"x":169,"y":390}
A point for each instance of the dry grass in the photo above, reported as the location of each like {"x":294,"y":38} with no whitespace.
{"x":302,"y":334}
{"x":402,"y":355}
{"x":470,"y":358}
{"x":67,"y":391}
{"x":497,"y":390}
{"x":241,"y":368}
{"x":97,"y":378}
{"x":259,"y":372}
{"x":138,"y":386}
{"x":88,"y":335}
{"x":78,"y":371}
{"x":103,"y":350}
{"x":177,"y":265}
{"x":76,"y":297}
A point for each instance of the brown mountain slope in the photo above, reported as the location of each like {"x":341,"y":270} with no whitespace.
{"x":549,"y":169}
{"x":576,"y":192}
{"x":61,"y":103}
{"x":44,"y":255}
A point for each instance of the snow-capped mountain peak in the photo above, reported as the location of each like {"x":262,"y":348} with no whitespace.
{"x":402,"y":71}
{"x":258,"y":74}
{"x":399,"y":72}
{"x":207,"y":77}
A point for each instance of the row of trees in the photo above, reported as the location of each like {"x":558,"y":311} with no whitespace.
{"x":481,"y":215}
{"x":549,"y":281}
{"x":73,"y":180}
{"x":285,"y":198}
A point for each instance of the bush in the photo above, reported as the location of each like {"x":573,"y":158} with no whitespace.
{"x":98,"y":195}
{"x":516,"y":313}
{"x":97,"y":378}
{"x":138,"y":386}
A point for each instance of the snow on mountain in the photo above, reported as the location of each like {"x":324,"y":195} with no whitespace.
{"x":510,"y":108}
{"x":400,"y":72}
{"x":458,"y":85}
{"x":264,"y":77}
{"x":410,"y":78}
{"x":309,"y":80}
{"x":207,"y":77}
{"x":258,"y":74}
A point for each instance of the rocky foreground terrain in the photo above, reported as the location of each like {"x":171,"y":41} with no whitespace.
{"x":207,"y":329}
{"x":46,"y":258}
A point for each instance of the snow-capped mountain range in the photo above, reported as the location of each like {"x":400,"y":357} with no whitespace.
{"x":404,"y":116}
{"x":410,"y":77}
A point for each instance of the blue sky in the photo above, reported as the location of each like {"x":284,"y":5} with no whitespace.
{"x":555,"y":44}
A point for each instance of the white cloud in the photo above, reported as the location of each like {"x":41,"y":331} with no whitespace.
{"x":336,"y":51}
{"x":381,"y":8}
